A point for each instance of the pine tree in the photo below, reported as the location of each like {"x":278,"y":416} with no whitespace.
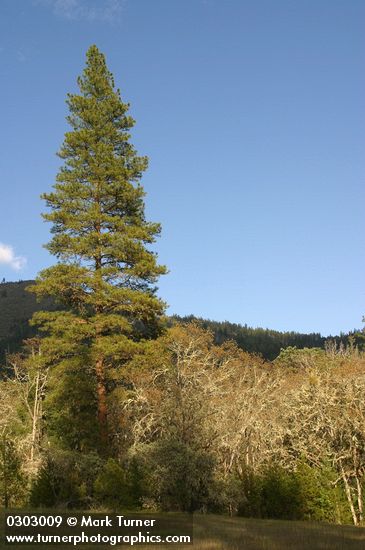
{"x":105,"y":275}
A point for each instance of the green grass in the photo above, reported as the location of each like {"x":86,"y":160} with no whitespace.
{"x":218,"y":533}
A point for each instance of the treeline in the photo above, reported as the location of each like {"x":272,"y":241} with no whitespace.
{"x":267,"y":342}
{"x":193,"y":427}
{"x":17,"y":306}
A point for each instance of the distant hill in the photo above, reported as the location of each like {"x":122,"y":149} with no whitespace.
{"x":17,"y":307}
{"x":267,"y":342}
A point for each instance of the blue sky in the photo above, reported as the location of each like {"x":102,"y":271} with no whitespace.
{"x":253,"y":115}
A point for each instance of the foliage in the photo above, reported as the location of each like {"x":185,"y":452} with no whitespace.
{"x":13,"y":491}
{"x":180,"y":476}
{"x":66,"y":479}
{"x":293,"y":358}
{"x":116,"y":486}
{"x":198,"y":427}
{"x":283,"y":443}
{"x":71,"y":406}
{"x":264,"y":341}
{"x":319,"y":497}
{"x":255,"y":340}
{"x":105,"y":276}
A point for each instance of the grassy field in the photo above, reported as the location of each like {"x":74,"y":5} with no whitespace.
{"x":221,"y":533}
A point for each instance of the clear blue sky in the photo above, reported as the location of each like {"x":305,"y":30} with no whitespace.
{"x":253,"y":115}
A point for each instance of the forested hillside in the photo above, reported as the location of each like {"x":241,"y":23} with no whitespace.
{"x":264,"y":341}
{"x":17,"y":307}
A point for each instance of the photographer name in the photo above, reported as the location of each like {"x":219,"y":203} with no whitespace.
{"x":117,"y":521}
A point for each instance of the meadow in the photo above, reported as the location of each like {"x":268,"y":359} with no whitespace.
{"x":213,"y":532}
{"x":220,"y":533}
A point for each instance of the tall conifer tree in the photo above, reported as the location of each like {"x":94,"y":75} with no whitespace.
{"x":105,"y":276}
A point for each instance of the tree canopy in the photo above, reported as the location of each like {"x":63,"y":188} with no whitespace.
{"x":105,"y":273}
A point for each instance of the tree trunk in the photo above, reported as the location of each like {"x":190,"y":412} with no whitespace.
{"x":349,"y":496}
{"x":359,"y":500}
{"x":100,"y":374}
{"x":35,"y":419}
{"x":102,"y":404}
